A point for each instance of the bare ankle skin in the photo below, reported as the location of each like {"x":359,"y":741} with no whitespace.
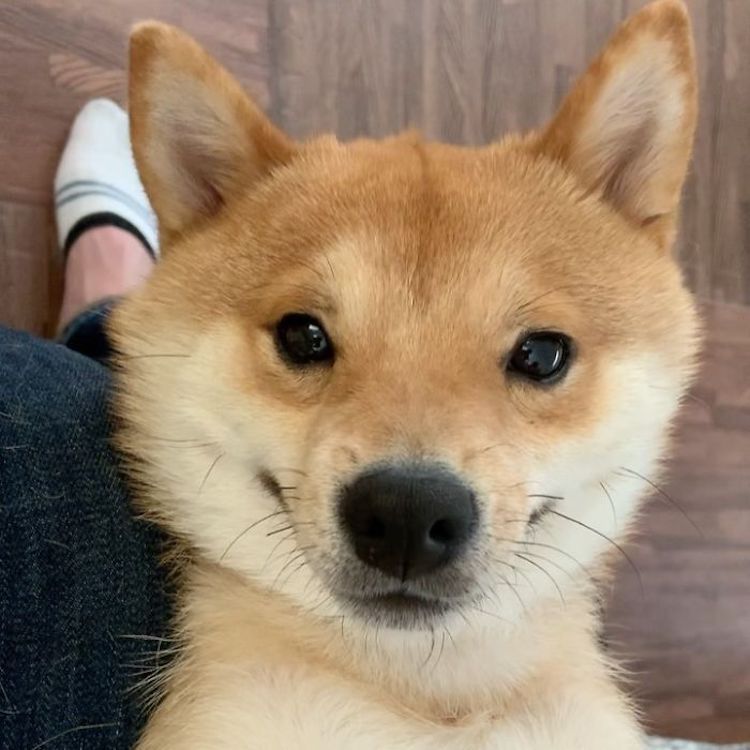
{"x":103,"y":262}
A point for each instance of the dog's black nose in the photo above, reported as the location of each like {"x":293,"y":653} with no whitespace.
{"x":408,"y":520}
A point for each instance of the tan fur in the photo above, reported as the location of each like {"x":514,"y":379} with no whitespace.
{"x":425,"y":262}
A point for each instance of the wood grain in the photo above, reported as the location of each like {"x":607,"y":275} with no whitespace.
{"x":466,"y":71}
{"x":470,"y":71}
{"x":25,"y":231}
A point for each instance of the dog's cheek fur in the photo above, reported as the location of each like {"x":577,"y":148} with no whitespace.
{"x":601,"y":478}
{"x":199,"y":456}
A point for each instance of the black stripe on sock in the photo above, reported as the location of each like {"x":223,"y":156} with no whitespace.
{"x":78,"y":190}
{"x":104,"y":219}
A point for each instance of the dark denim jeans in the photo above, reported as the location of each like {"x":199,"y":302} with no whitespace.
{"x":83,"y":604}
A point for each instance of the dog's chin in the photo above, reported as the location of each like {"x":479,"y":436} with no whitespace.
{"x":400,"y":610}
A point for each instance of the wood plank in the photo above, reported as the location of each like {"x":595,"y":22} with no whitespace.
{"x":25,"y":266}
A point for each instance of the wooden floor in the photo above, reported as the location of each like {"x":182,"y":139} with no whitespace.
{"x":465,"y":71}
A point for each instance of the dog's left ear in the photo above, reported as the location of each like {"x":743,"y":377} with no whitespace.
{"x":198,"y":139}
{"x":626,"y":128}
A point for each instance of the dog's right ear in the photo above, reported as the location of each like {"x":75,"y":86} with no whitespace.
{"x":198,"y":139}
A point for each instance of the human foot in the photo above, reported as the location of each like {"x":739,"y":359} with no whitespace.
{"x":106,"y":229}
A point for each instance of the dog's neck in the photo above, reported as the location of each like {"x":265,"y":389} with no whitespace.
{"x":457,"y":672}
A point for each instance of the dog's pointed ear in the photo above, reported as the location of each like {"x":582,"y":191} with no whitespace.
{"x":626,"y":128}
{"x":197,"y":137}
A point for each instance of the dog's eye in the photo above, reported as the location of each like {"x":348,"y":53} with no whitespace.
{"x":542,"y":356}
{"x":303,"y":340}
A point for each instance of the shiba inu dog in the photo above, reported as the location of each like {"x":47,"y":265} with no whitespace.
{"x":396,"y":402}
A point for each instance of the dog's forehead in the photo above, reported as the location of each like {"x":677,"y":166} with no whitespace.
{"x":434,"y":211}
{"x":409,"y":224}
{"x":422,"y":211}
{"x":406,"y":231}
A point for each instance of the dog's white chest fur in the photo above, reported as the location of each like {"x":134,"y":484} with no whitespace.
{"x":242,"y":685}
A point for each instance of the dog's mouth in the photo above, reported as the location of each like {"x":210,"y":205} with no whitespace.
{"x":380,"y":599}
{"x":399,"y":609}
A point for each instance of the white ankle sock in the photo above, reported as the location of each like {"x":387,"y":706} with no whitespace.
{"x":97,"y":183}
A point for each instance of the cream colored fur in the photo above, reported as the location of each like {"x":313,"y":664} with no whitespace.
{"x":426,"y":262}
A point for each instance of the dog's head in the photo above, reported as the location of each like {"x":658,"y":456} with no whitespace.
{"x":401,"y":380}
